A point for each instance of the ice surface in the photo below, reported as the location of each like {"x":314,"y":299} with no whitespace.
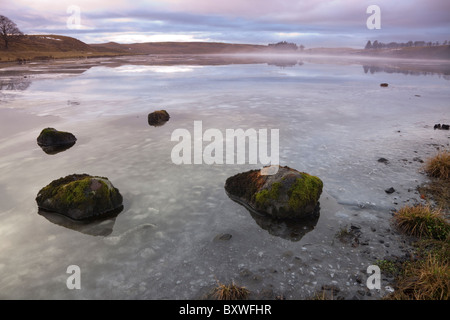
{"x":335,"y":122}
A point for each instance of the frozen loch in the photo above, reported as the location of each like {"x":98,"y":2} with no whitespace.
{"x":179,"y":233}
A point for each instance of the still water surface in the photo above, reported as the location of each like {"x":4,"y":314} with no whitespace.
{"x":334,"y":119}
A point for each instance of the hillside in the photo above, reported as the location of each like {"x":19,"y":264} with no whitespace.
{"x":41,"y":47}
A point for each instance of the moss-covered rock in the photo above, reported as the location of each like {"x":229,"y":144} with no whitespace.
{"x":53,"y":141}
{"x":158,"y":118}
{"x":53,"y":137}
{"x":80,"y":197}
{"x":286,"y":194}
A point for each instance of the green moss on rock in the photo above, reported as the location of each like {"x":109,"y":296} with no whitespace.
{"x":305,"y":190}
{"x":285,"y":194}
{"x":80,"y":196}
{"x":263,"y":197}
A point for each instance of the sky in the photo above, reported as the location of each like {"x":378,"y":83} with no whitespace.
{"x":313,"y":23}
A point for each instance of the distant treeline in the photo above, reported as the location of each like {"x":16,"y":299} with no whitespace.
{"x":395,"y":45}
{"x":284,"y":45}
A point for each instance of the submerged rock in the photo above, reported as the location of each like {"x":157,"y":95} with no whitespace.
{"x":80,"y":197}
{"x":285,"y":195}
{"x":53,"y":141}
{"x":158,"y":118}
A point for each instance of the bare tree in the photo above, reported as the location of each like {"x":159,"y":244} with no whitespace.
{"x":8,"y":30}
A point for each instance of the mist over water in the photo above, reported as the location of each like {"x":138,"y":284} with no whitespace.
{"x":334,"y":121}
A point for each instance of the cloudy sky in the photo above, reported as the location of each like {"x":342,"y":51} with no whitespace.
{"x":314,"y":23}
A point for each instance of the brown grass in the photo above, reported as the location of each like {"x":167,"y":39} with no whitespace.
{"x":422,"y":221}
{"x":439,"y":166}
{"x":427,"y":279}
{"x":438,"y":189}
{"x":230,"y":292}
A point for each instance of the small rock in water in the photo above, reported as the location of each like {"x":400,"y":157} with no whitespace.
{"x":53,"y":141}
{"x":441,"y":127}
{"x":158,"y":118}
{"x":383,"y":160}
{"x":390,"y":190}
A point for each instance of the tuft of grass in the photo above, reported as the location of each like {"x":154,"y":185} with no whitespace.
{"x":422,"y":221}
{"x":230,"y":292}
{"x":438,"y":189}
{"x":425,"y":279}
{"x":439,"y":165}
{"x":343,"y":234}
{"x":428,"y":276}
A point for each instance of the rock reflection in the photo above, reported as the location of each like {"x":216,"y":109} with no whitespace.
{"x":284,"y":64}
{"x":18,"y":83}
{"x":99,"y":228}
{"x":289,"y":229}
{"x":52,"y":150}
{"x":409,"y":69}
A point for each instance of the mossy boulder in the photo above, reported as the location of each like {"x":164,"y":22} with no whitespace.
{"x":284,"y":195}
{"x":53,"y":141}
{"x":158,"y":118}
{"x":80,"y":197}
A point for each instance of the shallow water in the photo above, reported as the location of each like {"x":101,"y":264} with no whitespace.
{"x":334,"y":119}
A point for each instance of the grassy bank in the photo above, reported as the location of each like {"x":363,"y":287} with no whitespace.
{"x":34,"y":56}
{"x":49,"y":47}
{"x":427,"y":275}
